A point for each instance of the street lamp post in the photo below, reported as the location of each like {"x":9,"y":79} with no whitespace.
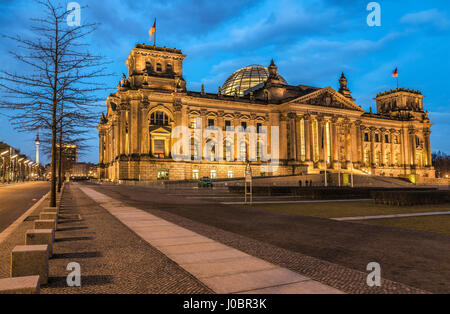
{"x":3,"y":164}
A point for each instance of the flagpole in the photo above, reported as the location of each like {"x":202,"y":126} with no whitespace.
{"x":154,"y":38}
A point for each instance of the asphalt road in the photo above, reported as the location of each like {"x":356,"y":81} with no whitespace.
{"x":17,"y":199}
{"x":418,"y":259}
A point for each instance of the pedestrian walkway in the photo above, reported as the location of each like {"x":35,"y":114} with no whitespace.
{"x":391,"y":216}
{"x":222,"y":268}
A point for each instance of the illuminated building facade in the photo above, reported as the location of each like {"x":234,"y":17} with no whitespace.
{"x":318,"y":128}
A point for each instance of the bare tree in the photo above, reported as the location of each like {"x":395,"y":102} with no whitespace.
{"x":63,"y":79}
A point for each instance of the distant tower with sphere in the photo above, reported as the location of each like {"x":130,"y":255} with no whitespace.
{"x":37,"y":142}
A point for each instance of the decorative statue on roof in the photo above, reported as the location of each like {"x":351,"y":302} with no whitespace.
{"x":124,"y":82}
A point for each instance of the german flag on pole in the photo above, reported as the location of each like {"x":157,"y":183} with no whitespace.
{"x":152,"y":30}
{"x":395,"y":73}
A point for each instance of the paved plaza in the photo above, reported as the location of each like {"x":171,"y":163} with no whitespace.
{"x":148,"y":240}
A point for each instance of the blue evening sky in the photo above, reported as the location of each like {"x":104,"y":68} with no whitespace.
{"x":311,"y":41}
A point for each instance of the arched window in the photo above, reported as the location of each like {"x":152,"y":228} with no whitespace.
{"x":169,"y":68}
{"x":158,"y":67}
{"x":159,"y":118}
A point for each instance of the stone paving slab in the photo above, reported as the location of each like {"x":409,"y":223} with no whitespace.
{"x":160,"y":243}
{"x":234,"y":276}
{"x":195,"y":247}
{"x":245,"y":281}
{"x":228,"y":266}
{"x":206,"y":256}
{"x":308,"y":286}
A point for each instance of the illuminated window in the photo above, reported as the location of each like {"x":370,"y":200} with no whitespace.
{"x":213,"y":174}
{"x":159,"y":118}
{"x":195,"y":174}
{"x":230,"y":174}
{"x":366,"y":137}
{"x":163,"y":174}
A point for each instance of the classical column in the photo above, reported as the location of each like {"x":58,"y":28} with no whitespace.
{"x":404,"y":147}
{"x":308,"y":140}
{"x":426,"y":135}
{"x":236,"y":125}
{"x":298,"y":136}
{"x":335,"y":131}
{"x":391,"y":139}
{"x":116,"y":139}
{"x":314,"y":138}
{"x":363,"y":143}
{"x":292,"y":138}
{"x":412,"y":137}
{"x":203,"y":116}
{"x":372,"y":146}
{"x":355,"y":140}
{"x":145,"y":141}
{"x":383,"y":149}
{"x":101,"y":145}
{"x":133,"y":128}
{"x":321,"y":140}
{"x":283,"y":137}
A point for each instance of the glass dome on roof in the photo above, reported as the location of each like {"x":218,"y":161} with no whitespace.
{"x":246,"y":78}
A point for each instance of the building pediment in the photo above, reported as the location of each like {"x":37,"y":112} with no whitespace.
{"x":327,"y":97}
{"x":160,"y":129}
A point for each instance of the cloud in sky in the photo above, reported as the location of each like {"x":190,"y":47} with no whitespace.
{"x":312,"y":42}
{"x":431,"y":17}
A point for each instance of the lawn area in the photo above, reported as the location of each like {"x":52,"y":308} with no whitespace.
{"x":437,"y":224}
{"x":348,"y":209}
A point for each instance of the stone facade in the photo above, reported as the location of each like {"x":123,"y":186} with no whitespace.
{"x":319,"y":128}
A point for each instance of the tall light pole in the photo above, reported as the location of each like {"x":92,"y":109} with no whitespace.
{"x":37,"y":142}
{"x":14,"y":169}
{"x":3,"y":164}
{"x":20,"y":168}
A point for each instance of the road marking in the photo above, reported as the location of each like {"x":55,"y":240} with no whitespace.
{"x":391,"y":216}
{"x":293,"y":202}
{"x":19,"y":220}
{"x":222,"y":268}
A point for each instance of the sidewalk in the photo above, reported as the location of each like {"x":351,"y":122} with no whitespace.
{"x":220,"y":267}
{"x":112,"y":258}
